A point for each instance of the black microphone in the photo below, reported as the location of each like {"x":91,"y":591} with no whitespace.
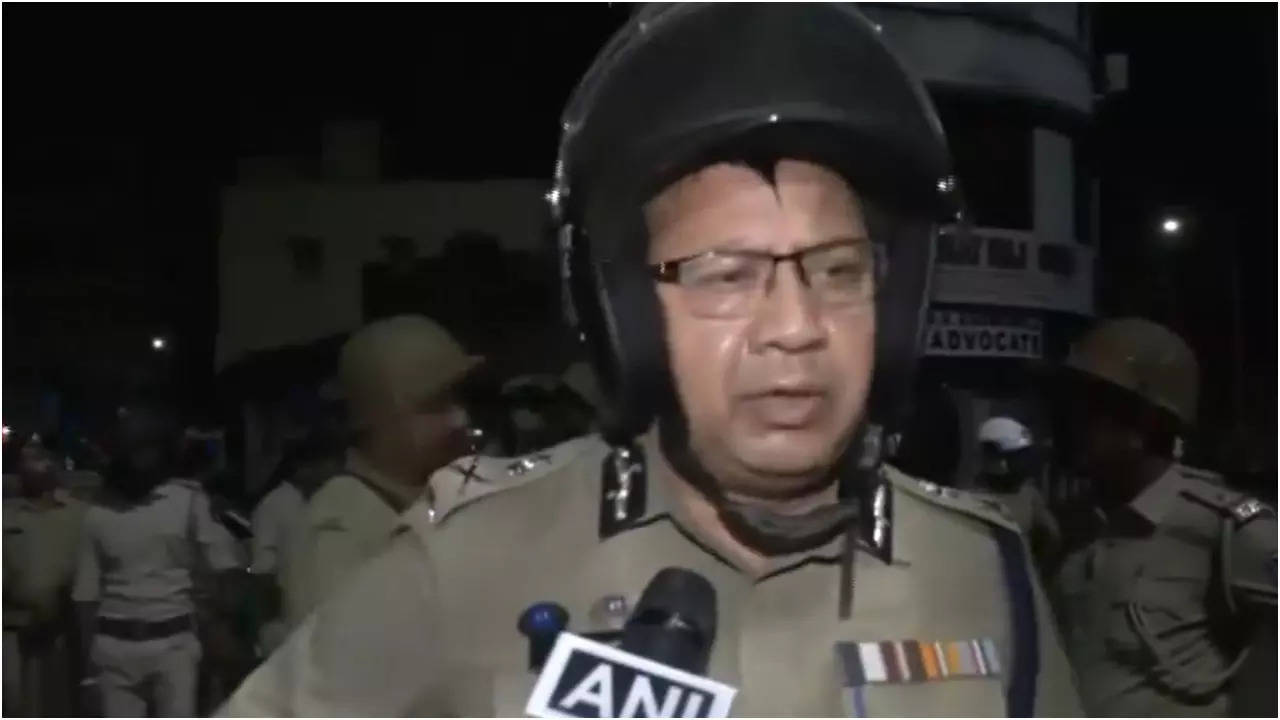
{"x":659,"y":670}
{"x":674,"y":622}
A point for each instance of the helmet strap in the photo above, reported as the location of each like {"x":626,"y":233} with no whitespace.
{"x":774,"y":533}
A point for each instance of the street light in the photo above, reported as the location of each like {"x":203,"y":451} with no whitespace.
{"x":1171,"y":226}
{"x":159,"y":344}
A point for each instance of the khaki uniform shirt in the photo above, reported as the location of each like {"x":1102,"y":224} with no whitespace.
{"x":353,"y":516}
{"x":347,"y":521}
{"x":429,"y":627}
{"x":136,"y":559}
{"x":1141,"y":607}
{"x":40,"y":542}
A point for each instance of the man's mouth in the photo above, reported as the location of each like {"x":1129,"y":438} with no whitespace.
{"x":786,"y":408}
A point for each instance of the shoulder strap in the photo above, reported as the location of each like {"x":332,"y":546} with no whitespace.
{"x":986,"y":509}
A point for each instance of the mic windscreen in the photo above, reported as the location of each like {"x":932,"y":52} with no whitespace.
{"x":674,"y":622}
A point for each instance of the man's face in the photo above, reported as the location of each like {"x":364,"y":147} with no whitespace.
{"x":772,"y":397}
{"x":431,"y":433}
{"x":1099,"y":445}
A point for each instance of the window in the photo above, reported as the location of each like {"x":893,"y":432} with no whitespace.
{"x":1006,"y":254}
{"x":992,"y":151}
{"x":1057,"y":259}
{"x":959,"y":249}
{"x":399,"y":250}
{"x":307,"y":255}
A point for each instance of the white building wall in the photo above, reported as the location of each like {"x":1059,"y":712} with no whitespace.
{"x":264,"y":303}
{"x":1053,"y":188}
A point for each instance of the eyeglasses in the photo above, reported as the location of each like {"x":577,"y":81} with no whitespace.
{"x":730,"y":283}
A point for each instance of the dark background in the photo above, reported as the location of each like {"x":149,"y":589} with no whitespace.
{"x":124,"y":121}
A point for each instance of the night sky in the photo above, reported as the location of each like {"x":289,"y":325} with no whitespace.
{"x":154,"y":103}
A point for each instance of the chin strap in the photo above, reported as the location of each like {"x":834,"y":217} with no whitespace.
{"x":862,"y":513}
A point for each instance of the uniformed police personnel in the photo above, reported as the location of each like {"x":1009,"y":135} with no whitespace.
{"x":1159,"y":610}
{"x":746,"y":195}
{"x":274,"y":520}
{"x":142,"y":544}
{"x":1011,"y":463}
{"x":41,"y":534}
{"x":400,"y":378}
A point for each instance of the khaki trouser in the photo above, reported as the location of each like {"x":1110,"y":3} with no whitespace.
{"x":134,"y":674}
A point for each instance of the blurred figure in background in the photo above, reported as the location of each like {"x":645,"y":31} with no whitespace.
{"x":41,"y":533}
{"x":1012,"y":462}
{"x":401,"y":379}
{"x":1160,"y":610}
{"x":139,"y":559}
{"x":308,"y":465}
{"x":226,"y":624}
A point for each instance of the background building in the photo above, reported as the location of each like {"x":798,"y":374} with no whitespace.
{"x":1014,"y":87}
{"x":310,"y":251}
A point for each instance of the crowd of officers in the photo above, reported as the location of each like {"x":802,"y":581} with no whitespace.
{"x":117,"y":603}
{"x":138,"y":591}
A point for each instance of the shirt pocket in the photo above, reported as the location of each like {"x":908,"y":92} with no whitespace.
{"x":1158,"y":597}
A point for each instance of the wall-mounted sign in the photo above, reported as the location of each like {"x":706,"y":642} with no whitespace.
{"x":974,"y":334}
{"x":990,"y":266}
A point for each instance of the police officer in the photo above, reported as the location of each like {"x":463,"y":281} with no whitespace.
{"x":41,"y":534}
{"x":400,"y":377}
{"x":1160,"y":608}
{"x":142,"y":546}
{"x":1011,"y":463}
{"x":746,"y":195}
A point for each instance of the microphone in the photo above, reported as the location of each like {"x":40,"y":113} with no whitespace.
{"x":675,"y":621}
{"x":666,"y":646}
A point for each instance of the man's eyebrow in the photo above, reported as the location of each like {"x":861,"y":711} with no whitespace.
{"x":742,"y":245}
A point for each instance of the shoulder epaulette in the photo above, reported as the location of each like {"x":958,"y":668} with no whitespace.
{"x":1207,"y":476}
{"x":1201,"y":488}
{"x":474,"y":477}
{"x":987,"y":509}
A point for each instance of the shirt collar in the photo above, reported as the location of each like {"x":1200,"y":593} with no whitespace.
{"x":1155,"y":502}
{"x":401,"y":494}
{"x":662,"y":505}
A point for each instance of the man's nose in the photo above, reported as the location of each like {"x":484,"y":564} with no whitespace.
{"x":788,"y":316}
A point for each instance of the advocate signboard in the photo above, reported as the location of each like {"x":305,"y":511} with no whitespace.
{"x":953,"y":333}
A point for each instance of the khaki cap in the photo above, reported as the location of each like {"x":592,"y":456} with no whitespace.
{"x":394,"y":363}
{"x":1144,"y":358}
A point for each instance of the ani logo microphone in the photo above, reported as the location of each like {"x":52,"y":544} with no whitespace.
{"x":586,"y":679}
{"x":658,"y":672}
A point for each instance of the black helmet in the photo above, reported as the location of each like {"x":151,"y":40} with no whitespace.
{"x":682,"y":86}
